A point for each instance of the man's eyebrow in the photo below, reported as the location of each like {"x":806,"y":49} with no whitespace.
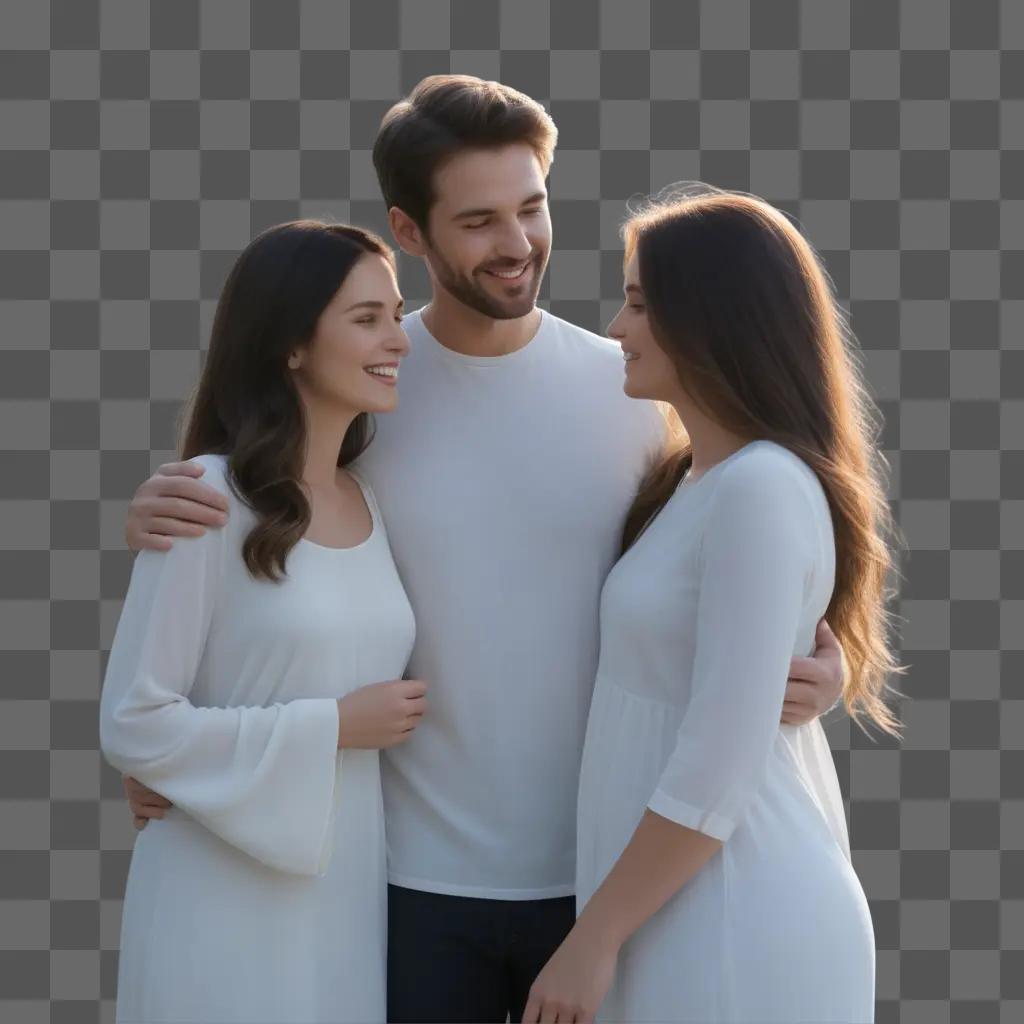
{"x":486,"y":212}
{"x":371,"y":304}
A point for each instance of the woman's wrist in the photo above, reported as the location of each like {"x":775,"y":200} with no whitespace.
{"x":594,"y":930}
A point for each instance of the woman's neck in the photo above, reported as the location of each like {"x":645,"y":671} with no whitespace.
{"x":709,"y":442}
{"x":325,"y":431}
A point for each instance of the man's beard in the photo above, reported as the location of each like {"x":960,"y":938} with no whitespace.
{"x":472,"y":294}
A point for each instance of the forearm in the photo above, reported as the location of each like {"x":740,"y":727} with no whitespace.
{"x":659,"y":860}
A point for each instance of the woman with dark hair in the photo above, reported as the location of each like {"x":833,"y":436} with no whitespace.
{"x":714,"y":880}
{"x":256,"y":669}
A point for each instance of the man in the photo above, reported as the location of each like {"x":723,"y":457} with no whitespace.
{"x":504,"y":477}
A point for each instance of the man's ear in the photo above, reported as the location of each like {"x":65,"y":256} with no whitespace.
{"x":406,"y":232}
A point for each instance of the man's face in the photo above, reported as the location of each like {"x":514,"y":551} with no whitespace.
{"x":490,"y":230}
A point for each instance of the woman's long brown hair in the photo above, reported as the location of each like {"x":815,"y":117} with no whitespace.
{"x":740,"y":302}
{"x":246,"y":405}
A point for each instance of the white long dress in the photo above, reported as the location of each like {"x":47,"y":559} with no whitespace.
{"x":699,"y":620}
{"x":262,"y":895}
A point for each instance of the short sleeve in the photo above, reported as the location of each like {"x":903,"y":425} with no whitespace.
{"x":757,"y":557}
{"x":261,"y":778}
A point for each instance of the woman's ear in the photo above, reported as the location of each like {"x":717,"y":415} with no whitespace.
{"x":294,"y":359}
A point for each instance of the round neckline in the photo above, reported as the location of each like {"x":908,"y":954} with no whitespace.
{"x":688,"y":483}
{"x":374,"y":525}
{"x":502,"y":360}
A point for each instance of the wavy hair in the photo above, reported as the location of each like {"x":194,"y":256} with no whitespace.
{"x":740,"y":302}
{"x":246,"y":405}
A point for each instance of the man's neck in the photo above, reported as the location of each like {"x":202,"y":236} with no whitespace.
{"x":464,"y":330}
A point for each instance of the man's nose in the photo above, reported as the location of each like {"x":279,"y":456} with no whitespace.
{"x":515,"y":244}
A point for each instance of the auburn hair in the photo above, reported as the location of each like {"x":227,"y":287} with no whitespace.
{"x":740,"y":302}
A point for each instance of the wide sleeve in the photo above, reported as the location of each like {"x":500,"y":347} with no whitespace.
{"x":757,"y":555}
{"x":261,"y":778}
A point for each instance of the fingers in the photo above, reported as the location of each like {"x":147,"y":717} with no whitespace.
{"x":532,"y":1012}
{"x":163,"y":526}
{"x":140,"y":794}
{"x":174,"y":507}
{"x":796,"y":714}
{"x":151,"y":799}
{"x":808,"y":670}
{"x":152,"y":542}
{"x":800,"y":693}
{"x":139,"y":823}
{"x":824,"y":637}
{"x":147,"y":811}
{"x":414,"y":688}
{"x":186,"y":487}
{"x":186,"y":468}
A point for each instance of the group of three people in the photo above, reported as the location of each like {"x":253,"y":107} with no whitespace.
{"x":506,"y":704}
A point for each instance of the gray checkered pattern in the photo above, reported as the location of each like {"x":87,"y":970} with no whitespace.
{"x":141,"y":147}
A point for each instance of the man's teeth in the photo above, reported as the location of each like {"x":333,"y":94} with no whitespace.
{"x":383,"y":371}
{"x":509,"y":274}
{"x":630,"y":356}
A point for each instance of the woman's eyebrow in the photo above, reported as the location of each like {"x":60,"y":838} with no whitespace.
{"x":372,"y":304}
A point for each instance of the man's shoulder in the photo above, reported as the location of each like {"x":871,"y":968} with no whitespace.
{"x":584,"y":343}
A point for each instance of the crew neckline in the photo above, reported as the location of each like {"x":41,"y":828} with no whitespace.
{"x":502,"y":360}
{"x":374,"y":524}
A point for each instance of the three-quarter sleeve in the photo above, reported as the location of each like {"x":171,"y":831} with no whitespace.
{"x":757,"y":555}
{"x":261,"y":778}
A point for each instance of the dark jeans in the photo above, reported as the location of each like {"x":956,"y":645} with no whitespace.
{"x":463,"y":960}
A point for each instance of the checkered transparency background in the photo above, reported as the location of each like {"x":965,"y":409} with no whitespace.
{"x":142,"y":146}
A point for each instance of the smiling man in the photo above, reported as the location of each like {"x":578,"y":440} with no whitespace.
{"x":504,"y":478}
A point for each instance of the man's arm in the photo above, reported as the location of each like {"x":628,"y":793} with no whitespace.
{"x":145,"y":803}
{"x":173,"y":502}
{"x":816,"y":683}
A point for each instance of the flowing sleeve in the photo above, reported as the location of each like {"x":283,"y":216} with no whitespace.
{"x":261,"y":778}
{"x":757,"y":556}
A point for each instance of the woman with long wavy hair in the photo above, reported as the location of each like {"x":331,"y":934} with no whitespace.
{"x":256,"y":669}
{"x":714,"y":880}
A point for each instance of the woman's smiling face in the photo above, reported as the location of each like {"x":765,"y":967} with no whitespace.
{"x":650,"y":373}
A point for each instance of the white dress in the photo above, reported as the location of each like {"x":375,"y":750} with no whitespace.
{"x":262,"y":895}
{"x":699,"y":620}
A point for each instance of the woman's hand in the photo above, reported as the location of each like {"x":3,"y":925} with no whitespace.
{"x":574,"y":982}
{"x":381,"y":715}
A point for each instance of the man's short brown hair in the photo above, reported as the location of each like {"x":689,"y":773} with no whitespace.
{"x":449,"y":114}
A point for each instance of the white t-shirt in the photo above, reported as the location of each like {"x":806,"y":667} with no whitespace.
{"x":504,"y":482}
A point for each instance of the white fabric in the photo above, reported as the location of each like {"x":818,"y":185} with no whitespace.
{"x":699,"y":621}
{"x":261,"y":896}
{"x":504,"y":482}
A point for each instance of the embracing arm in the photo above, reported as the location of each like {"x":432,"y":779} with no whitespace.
{"x":173,"y":502}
